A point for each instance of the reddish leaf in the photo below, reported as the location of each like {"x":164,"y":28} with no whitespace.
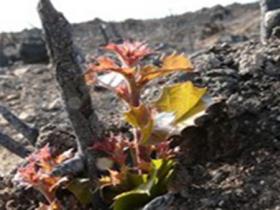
{"x":130,"y":52}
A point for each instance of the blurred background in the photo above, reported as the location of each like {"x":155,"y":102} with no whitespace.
{"x":17,"y":15}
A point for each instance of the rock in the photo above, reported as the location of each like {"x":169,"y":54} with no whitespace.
{"x":4,"y":61}
{"x":27,"y":46}
{"x":60,"y":139}
{"x":21,"y":71}
{"x":52,"y":106}
{"x":12,"y":97}
{"x":219,"y":13}
{"x":209,"y":29}
{"x":3,"y":122}
{"x":231,"y":38}
{"x":270,"y":17}
{"x":163,"y":202}
{"x":27,"y":116}
{"x":276,"y":32}
{"x":33,"y":50}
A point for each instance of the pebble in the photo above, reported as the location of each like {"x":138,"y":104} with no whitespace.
{"x":12,"y":97}
{"x":21,"y":71}
{"x":52,"y":106}
{"x":3,"y":122}
{"x":27,"y":116}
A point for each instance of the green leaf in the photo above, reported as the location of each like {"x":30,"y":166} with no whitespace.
{"x":131,"y":200}
{"x":135,"y":198}
{"x":136,"y":180}
{"x":165,"y":171}
{"x":81,"y":189}
{"x":150,"y":187}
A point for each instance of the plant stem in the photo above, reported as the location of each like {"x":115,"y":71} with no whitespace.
{"x":134,"y":93}
{"x":135,"y":152}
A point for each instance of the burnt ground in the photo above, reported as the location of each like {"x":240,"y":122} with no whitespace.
{"x":232,"y":162}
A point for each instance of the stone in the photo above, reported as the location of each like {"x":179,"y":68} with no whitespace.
{"x":52,"y":106}
{"x":21,"y":71}
{"x":12,"y":97}
{"x":33,"y":51}
{"x":27,"y":116}
{"x":4,"y":61}
{"x":270,"y":18}
{"x":3,"y":122}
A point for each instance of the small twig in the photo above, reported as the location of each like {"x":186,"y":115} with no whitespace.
{"x":117,"y":36}
{"x":104,"y":33}
{"x":28,"y":132}
{"x":13,"y":146}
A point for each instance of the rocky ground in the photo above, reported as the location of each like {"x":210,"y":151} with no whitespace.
{"x":232,"y":160}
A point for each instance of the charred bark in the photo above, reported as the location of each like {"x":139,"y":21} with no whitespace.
{"x":69,"y":74}
{"x":28,"y":132}
{"x":13,"y":146}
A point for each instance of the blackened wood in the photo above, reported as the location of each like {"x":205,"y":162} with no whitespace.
{"x":13,"y":146}
{"x":69,"y":75}
{"x":28,"y":132}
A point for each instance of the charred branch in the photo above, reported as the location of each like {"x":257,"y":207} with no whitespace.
{"x":13,"y":146}
{"x":28,"y":132}
{"x":104,"y":33}
{"x":69,"y":75}
{"x":116,"y":35}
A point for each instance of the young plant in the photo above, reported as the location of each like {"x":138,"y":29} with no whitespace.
{"x":139,"y":170}
{"x":37,"y":174}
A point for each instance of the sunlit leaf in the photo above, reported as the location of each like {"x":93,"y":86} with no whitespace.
{"x":130,"y":53}
{"x":90,"y":77}
{"x":140,"y":118}
{"x":175,"y":61}
{"x":170,"y":64}
{"x":103,"y":64}
{"x":197,"y":111}
{"x":179,"y":99}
